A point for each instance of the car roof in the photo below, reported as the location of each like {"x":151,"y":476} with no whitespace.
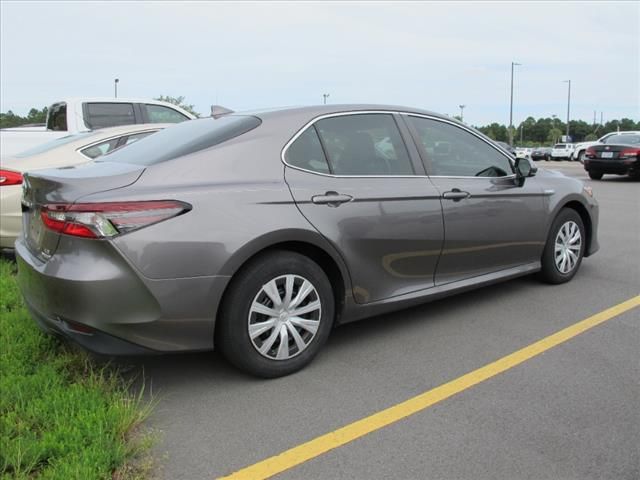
{"x":319,"y":110}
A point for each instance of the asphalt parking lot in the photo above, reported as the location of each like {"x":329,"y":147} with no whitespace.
{"x":568,"y":413}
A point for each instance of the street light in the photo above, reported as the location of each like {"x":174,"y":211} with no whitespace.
{"x":513,"y":64}
{"x":324,"y":98}
{"x":115,"y":86}
{"x":462,"y":112}
{"x":568,"y":105}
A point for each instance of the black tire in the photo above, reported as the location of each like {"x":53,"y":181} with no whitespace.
{"x":581,"y":156}
{"x":550,"y":272}
{"x":232,"y":330}
{"x":595,"y":175}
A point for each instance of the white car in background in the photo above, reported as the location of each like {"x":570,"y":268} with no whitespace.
{"x":74,"y":115}
{"x":561,"y":151}
{"x":523,"y":152}
{"x":66,"y":151}
{"x":581,"y":148}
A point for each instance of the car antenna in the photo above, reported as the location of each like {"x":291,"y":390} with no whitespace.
{"x":218,"y":111}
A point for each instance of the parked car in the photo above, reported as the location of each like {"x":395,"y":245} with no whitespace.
{"x":258,"y":232}
{"x":541,"y":153}
{"x":618,"y":154}
{"x":561,"y":151}
{"x":61,"y":152}
{"x":523,"y":152}
{"x":75,"y":115}
{"x":580,"y":149}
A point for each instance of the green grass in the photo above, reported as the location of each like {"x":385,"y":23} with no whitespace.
{"x":62,"y":416}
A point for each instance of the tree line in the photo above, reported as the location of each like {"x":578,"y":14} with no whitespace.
{"x":530,"y":132}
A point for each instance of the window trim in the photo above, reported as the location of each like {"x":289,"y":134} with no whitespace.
{"x":312,"y":122}
{"x":425,"y":159}
{"x":420,"y":148}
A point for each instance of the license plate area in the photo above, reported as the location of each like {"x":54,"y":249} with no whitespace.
{"x":606,"y":155}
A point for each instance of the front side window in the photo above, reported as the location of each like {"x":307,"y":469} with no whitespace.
{"x":160,"y":114}
{"x":102,"y":115}
{"x":454,"y":152}
{"x":364,"y":144}
{"x":306,"y":152}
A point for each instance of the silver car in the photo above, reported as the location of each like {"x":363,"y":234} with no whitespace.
{"x":257,"y":233}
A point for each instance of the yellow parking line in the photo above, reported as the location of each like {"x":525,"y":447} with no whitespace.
{"x":324,"y":443}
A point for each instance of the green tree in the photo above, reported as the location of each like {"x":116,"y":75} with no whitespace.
{"x":554,"y":135}
{"x":180,"y":102}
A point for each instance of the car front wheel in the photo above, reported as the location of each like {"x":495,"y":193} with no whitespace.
{"x":595,"y":175}
{"x":564,"y":249}
{"x":276,"y":316}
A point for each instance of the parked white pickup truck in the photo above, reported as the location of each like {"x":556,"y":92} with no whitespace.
{"x":75,"y":115}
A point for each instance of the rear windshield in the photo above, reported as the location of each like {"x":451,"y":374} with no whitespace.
{"x":623,"y":139}
{"x":58,"y":142}
{"x":182,"y":139}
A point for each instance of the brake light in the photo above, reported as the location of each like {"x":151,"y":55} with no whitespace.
{"x":9,"y":177}
{"x":108,"y":219}
{"x":590,"y":153}
{"x":630,"y":152}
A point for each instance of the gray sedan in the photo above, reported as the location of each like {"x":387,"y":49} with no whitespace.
{"x":256,"y":233}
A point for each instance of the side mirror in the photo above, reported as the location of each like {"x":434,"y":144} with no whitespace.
{"x":524,"y":168}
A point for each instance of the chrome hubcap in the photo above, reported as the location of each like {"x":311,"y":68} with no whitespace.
{"x":567,"y":247}
{"x":284,"y":317}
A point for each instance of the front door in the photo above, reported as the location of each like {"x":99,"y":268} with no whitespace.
{"x":491,"y":222}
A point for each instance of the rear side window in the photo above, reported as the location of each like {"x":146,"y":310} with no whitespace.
{"x":183,"y":139}
{"x":101,"y":115}
{"x":306,"y":152}
{"x":57,"y":118}
{"x":160,"y":114}
{"x":364,"y":144}
{"x":100,"y":149}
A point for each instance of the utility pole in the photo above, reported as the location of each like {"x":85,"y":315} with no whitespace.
{"x":513,"y":64}
{"x":568,"y":106}
{"x":594,"y":118}
{"x":601,"y":124}
{"x":462,"y":112}
{"x":115,"y":86}
{"x":324,"y":98}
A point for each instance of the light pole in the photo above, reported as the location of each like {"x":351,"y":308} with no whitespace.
{"x":462,"y":112}
{"x":324,"y":98}
{"x":513,"y":64}
{"x":568,"y":105}
{"x":115,"y":86}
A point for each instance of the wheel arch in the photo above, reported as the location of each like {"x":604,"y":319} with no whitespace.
{"x":581,"y":210}
{"x":306,"y":243}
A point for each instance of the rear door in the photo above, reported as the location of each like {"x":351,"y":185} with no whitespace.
{"x":491,"y":223}
{"x":353,"y":177}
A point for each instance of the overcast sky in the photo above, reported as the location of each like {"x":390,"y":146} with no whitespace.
{"x":253,"y":55}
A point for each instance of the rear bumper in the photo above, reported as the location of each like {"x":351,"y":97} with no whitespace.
{"x":615,"y":166}
{"x":10,"y":215}
{"x":93,"y":287}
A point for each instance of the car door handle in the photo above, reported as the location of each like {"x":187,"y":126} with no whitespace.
{"x":333,"y":199}
{"x":456,"y":195}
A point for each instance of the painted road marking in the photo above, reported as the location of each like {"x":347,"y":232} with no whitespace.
{"x":329,"y":441}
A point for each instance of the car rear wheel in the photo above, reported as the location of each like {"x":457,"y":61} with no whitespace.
{"x":564,"y":249}
{"x":581,"y":156}
{"x":595,"y":175}
{"x":276,"y":316}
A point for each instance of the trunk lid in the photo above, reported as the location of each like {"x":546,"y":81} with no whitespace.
{"x":66,"y":186}
{"x":608,"y":151}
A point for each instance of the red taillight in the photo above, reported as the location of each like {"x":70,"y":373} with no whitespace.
{"x":630,"y":152}
{"x":108,"y":219}
{"x":9,"y":177}
{"x":590,"y":153}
